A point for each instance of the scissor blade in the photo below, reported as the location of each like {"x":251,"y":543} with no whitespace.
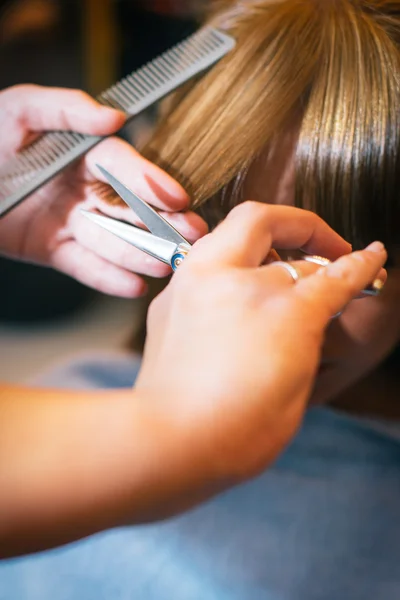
{"x":161,"y":249}
{"x":150,"y":217}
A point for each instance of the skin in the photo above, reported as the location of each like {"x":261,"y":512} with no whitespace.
{"x":48,"y":227}
{"x":369,"y":328}
{"x":74,"y":463}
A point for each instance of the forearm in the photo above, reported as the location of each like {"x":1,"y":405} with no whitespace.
{"x":72,"y":464}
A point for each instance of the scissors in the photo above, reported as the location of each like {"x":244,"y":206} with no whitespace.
{"x":163,"y":241}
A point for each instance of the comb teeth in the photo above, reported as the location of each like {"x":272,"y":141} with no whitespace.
{"x":167,"y":72}
{"x":51,"y":153}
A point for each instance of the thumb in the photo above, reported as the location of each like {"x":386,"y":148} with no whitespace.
{"x":40,"y":109}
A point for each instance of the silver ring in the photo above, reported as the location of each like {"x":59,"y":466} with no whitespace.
{"x":317,"y":260}
{"x":293,"y":272}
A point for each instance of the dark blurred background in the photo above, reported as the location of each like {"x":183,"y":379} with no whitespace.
{"x":87,"y":44}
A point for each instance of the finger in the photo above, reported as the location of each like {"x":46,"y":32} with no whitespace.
{"x":88,"y":268}
{"x":251,"y":229}
{"x":323,"y":262}
{"x":43,"y":109}
{"x":120,"y":253}
{"x":334,"y":286}
{"x":140,"y":175}
{"x":114,"y":250}
{"x":276,"y":275}
{"x":189,"y":224}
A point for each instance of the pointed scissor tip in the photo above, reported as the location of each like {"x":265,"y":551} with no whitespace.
{"x":103,"y":170}
{"x":86,"y":214}
{"x":107,"y":223}
{"x":112,"y":181}
{"x":100,"y":219}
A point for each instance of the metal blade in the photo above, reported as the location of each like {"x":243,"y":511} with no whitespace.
{"x":150,"y":217}
{"x":161,"y":249}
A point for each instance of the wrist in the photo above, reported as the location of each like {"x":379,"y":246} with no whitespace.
{"x":216,"y":443}
{"x":177,"y":467}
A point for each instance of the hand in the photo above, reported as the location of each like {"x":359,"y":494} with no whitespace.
{"x":233,"y":348}
{"x":230,"y":360}
{"x":48,"y":227}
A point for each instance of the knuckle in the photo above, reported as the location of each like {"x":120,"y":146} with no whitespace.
{"x":200,"y":245}
{"x":16,"y":99}
{"x":64,"y":118}
{"x":199,"y":254}
{"x":228,"y":284}
{"x":311,"y":214}
{"x":249,"y":205}
{"x":251,"y":208}
{"x":81,"y":96}
{"x":362,"y":257}
{"x":25,"y":88}
{"x":345,"y":274}
{"x":111,"y":148}
{"x":350,"y":265}
{"x":251,"y":291}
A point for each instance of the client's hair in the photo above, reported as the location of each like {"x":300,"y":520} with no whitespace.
{"x":331,"y":68}
{"x":327,"y":70}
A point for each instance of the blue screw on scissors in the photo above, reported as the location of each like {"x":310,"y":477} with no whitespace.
{"x":164,"y":242}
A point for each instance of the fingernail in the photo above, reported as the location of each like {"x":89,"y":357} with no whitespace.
{"x":378,"y":285}
{"x":375,"y":247}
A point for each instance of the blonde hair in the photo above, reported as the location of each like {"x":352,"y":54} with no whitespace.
{"x":331,"y":68}
{"x":328,"y":70}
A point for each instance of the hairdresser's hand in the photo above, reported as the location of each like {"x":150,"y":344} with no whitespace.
{"x":48,"y":228}
{"x":235,"y":347}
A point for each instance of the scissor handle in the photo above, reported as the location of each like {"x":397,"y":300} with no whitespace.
{"x":180,"y":254}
